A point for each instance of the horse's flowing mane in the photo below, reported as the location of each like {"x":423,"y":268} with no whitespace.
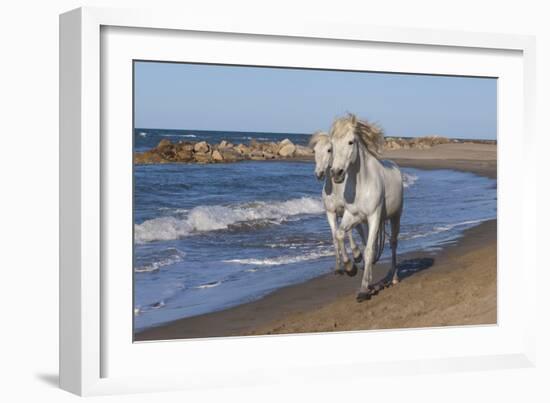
{"x":318,"y":137}
{"x":370,"y":134}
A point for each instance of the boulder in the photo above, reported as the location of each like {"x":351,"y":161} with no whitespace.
{"x":165,"y":149}
{"x":223,"y":144}
{"x":202,"y":158}
{"x":242,"y":149}
{"x":167,"y":152}
{"x":202,"y":147}
{"x":287,"y":150}
{"x":285,"y":142}
{"x":147,"y":157}
{"x":164,"y":143}
{"x":185,"y":146}
{"x":231,"y":155}
{"x":302,"y":151}
{"x":257,"y":155}
{"x":216,"y":156}
{"x":184,"y":155}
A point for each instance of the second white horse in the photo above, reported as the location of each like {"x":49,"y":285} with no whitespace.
{"x":333,"y":200}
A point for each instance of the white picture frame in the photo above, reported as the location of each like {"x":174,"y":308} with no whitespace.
{"x":96,"y":356}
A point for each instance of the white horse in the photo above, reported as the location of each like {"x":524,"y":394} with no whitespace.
{"x":333,"y":198}
{"x":373,"y":192}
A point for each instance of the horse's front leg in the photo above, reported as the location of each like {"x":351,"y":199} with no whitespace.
{"x":346,"y":225}
{"x":366,"y":291}
{"x":333,"y":223}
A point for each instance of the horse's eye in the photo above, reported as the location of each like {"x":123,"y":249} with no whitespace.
{"x":350,"y":143}
{"x":329,"y":150}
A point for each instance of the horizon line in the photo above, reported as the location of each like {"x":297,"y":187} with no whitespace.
{"x":307,"y":134}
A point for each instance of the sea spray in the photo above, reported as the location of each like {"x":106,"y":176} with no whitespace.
{"x":212,"y":218}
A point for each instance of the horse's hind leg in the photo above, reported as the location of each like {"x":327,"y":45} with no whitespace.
{"x":395,"y":226}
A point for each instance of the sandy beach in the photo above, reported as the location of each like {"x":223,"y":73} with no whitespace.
{"x":452,"y":286}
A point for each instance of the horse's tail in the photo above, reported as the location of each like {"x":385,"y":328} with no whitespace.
{"x":380,"y":241}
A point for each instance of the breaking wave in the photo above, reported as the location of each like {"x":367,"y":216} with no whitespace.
{"x":167,"y":258}
{"x":217,"y":217}
{"x":180,"y":135}
{"x":280,"y":260}
{"x":208,"y":285}
{"x":409,"y":180}
{"x":441,"y":228}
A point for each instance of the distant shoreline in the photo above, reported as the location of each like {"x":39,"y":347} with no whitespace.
{"x":202,"y":152}
{"x":454,"y":286}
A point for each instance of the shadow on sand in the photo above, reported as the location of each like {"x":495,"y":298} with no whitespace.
{"x":405,"y":269}
{"x":409,"y":267}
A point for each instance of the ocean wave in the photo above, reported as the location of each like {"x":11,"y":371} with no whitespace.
{"x":217,"y":217}
{"x":280,"y":260}
{"x":448,"y":227}
{"x":208,"y":285}
{"x":409,"y":180}
{"x":174,"y":256}
{"x":179,"y":135}
{"x":253,"y":138}
{"x":440,"y":228}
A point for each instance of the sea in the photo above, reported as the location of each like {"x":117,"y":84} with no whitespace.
{"x":210,"y":237}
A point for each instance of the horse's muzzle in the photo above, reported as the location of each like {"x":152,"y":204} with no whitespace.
{"x":338,"y":175}
{"x":320,"y":175}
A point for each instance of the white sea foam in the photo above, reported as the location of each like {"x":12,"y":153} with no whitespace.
{"x":280,"y":260}
{"x":253,"y":138}
{"x":211,"y":218}
{"x":208,"y":285}
{"x":448,"y":227}
{"x":180,"y":135}
{"x":441,"y":228}
{"x":409,"y":179}
{"x":175,"y":257}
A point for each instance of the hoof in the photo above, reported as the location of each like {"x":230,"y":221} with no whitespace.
{"x":395,"y":281}
{"x":363,"y":296}
{"x":357,"y":257}
{"x":370,"y":292}
{"x":375,"y":289}
{"x":351,"y":269}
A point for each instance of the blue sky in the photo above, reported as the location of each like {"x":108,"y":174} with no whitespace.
{"x":212,"y":97}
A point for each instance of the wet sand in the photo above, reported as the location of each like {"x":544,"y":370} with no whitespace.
{"x":454,"y":286}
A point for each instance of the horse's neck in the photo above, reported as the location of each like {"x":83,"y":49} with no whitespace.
{"x":366,"y":166}
{"x":364,"y":160}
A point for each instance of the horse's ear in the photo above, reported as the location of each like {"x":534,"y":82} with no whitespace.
{"x":353,"y":119}
{"x":317,"y":136}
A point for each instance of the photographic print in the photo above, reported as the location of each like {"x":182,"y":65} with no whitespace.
{"x":273,"y":200}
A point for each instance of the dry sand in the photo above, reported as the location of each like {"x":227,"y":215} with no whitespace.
{"x":455,"y":286}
